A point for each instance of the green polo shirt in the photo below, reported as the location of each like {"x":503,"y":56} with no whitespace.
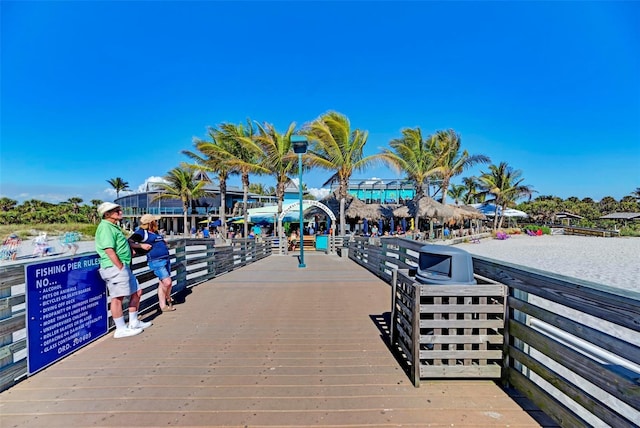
{"x":109,"y":235}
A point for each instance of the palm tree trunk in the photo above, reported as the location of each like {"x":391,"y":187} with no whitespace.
{"x":185,"y":229}
{"x":445,"y":186}
{"x":343,"y":221}
{"x":501,"y":218}
{"x":342,"y":191}
{"x":280,"y":196}
{"x":223,"y":207}
{"x":245,"y":202}
{"x":419,"y":194}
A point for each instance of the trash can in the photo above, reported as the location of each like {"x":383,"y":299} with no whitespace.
{"x":443,"y":265}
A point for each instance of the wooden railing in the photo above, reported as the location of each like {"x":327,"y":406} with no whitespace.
{"x":192,"y":261}
{"x":571,"y":346}
{"x":586,"y":231}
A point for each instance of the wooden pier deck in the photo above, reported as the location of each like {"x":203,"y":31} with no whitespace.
{"x":268,"y":345}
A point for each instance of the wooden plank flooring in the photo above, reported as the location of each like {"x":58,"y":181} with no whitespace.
{"x":269,"y":345}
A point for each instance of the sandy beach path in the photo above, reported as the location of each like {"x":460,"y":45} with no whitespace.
{"x":607,"y":261}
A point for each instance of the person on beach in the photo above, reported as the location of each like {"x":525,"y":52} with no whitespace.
{"x":114,"y":251}
{"x":293,"y":240}
{"x":68,"y":242}
{"x":158,"y":258}
{"x":41,"y":246}
{"x":10,"y":247}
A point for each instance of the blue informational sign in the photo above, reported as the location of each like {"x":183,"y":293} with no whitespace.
{"x":66,"y":308}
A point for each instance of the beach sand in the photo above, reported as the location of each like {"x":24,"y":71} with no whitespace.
{"x":607,"y":261}
{"x":25,"y":251}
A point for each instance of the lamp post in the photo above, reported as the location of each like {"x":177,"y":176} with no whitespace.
{"x":299,"y":143}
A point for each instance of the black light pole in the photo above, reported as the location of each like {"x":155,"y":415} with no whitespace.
{"x":299,"y":143}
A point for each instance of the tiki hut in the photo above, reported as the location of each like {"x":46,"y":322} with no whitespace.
{"x":354,"y":207}
{"x":467,"y":212}
{"x":426,"y":207}
{"x":359,"y":209}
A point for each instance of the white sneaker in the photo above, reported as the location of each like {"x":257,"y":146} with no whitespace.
{"x":140,"y":325}
{"x":126,"y":332}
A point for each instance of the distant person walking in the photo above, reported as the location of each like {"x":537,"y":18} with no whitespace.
{"x":115,"y":259}
{"x":158,"y":257}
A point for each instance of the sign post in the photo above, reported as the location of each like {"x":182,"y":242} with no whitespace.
{"x":66,"y":308}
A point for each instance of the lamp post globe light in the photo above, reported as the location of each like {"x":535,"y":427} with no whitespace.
{"x":300,"y":143}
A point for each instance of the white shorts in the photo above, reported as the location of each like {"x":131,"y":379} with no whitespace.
{"x":119,"y":282}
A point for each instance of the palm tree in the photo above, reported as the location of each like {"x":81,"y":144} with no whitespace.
{"x":279,"y":157}
{"x":608,"y":204}
{"x":181,"y":184}
{"x":245,"y":157}
{"x":629,"y":204}
{"x":261,"y":189}
{"x":450,"y":161}
{"x":119,"y":185}
{"x":415,"y":156}
{"x":75,"y":202}
{"x":335,"y":147}
{"x":7,"y":204}
{"x":636,"y":194}
{"x":471,"y":190}
{"x":215,"y":159}
{"x":93,"y":214}
{"x":457,"y":192}
{"x":505,"y":185}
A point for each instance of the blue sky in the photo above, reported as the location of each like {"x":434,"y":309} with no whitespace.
{"x":96,"y":90}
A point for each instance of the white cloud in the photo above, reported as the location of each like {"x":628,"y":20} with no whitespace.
{"x":319,"y":193}
{"x":149,"y":182}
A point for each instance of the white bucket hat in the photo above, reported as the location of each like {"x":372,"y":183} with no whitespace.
{"x":106,"y":207}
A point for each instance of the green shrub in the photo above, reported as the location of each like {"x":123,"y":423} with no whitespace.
{"x":546,"y":230}
{"x":629,"y":231}
{"x":26,"y":231}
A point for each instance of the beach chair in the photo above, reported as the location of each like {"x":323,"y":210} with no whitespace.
{"x":531,"y":232}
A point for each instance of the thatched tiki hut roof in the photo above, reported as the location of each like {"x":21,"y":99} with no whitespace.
{"x":354,"y":207}
{"x":426,"y":207}
{"x":467,"y":212}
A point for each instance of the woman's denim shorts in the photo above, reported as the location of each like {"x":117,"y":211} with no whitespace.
{"x":161,"y":268}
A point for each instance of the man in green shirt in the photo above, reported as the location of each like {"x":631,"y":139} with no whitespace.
{"x":115,"y":269}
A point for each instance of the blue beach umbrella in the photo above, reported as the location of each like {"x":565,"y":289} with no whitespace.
{"x":391,"y":226}
{"x":404,"y":224}
{"x":365,"y":226}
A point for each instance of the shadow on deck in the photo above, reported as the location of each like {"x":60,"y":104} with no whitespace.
{"x":267,"y":345}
